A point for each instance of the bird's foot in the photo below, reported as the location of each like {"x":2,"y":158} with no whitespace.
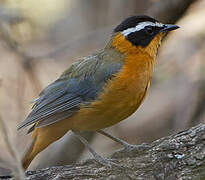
{"x":127,"y":146}
{"x":105,"y":162}
{"x":96,"y":156}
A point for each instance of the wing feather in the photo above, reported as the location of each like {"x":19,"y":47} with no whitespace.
{"x":60,"y":108}
{"x":62,"y":98}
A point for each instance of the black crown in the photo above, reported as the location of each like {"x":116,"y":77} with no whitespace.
{"x":133,"y":21}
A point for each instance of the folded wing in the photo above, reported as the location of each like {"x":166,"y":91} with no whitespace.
{"x":62,"y":98}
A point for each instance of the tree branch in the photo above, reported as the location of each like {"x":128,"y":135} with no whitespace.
{"x":179,"y":156}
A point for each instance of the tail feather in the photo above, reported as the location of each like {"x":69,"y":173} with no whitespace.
{"x":27,"y":157}
{"x":42,"y":138}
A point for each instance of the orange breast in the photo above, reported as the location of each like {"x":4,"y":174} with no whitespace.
{"x":122,"y":95}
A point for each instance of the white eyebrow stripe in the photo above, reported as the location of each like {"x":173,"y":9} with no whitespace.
{"x":140,"y":26}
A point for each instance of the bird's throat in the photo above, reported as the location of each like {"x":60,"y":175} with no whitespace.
{"x":124,"y":46}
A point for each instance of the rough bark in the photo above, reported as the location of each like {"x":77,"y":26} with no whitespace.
{"x":179,"y":156}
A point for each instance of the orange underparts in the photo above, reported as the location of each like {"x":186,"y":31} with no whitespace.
{"x":125,"y":92}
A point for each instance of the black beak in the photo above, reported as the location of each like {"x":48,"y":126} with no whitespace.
{"x":169,"y":27}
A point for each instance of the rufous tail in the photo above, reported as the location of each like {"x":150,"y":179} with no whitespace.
{"x":42,"y":138}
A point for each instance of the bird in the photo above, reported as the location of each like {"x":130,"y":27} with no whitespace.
{"x":100,"y":90}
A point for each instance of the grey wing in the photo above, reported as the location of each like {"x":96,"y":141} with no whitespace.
{"x":55,"y":103}
{"x":62,"y":98}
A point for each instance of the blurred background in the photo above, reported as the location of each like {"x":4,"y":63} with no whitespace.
{"x":39,"y":39}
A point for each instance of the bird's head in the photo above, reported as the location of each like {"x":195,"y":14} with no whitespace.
{"x":139,"y":33}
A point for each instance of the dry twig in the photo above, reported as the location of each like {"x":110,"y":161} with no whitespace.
{"x":19,"y":172}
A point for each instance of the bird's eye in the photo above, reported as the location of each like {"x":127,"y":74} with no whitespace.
{"x":149,"y":30}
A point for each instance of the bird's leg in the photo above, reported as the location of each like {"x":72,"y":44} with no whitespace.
{"x":126,"y":145}
{"x":97,"y":157}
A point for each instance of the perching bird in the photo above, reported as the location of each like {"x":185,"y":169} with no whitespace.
{"x":98,"y":91}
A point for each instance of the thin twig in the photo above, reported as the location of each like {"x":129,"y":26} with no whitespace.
{"x":19,"y":172}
